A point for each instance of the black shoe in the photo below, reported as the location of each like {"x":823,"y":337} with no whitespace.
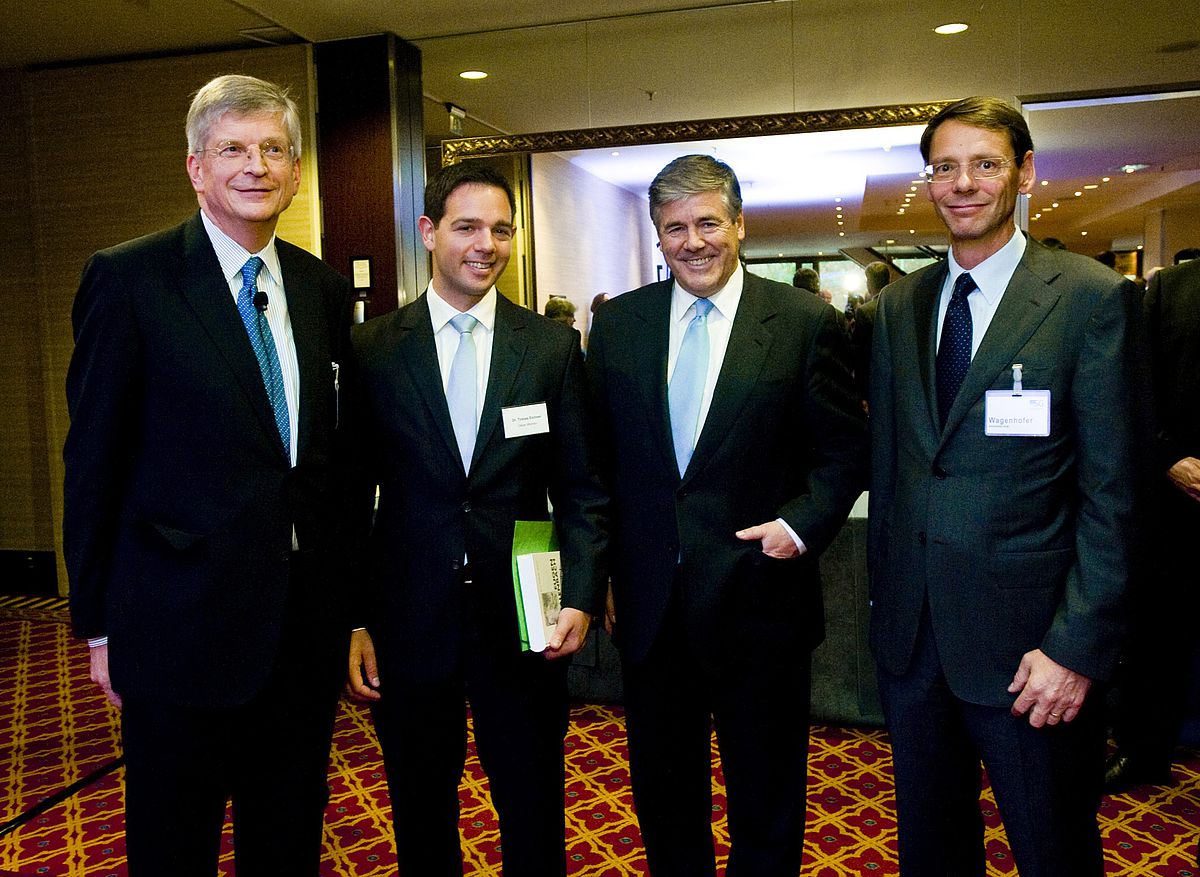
{"x":1125,"y":772}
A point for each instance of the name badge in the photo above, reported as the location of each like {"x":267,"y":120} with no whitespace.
{"x":1018,"y":414}
{"x":522,"y":420}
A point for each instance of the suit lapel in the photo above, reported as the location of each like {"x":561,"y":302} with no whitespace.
{"x":654,"y":310}
{"x":418,"y":352}
{"x":208,"y":295}
{"x":1027,"y":301}
{"x":508,"y":352}
{"x":304,"y":311}
{"x":749,"y":341}
{"x":925,"y":314}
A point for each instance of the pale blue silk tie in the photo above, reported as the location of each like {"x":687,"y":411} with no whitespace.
{"x":461,"y":388}
{"x":686,"y":389}
{"x":263,"y":343}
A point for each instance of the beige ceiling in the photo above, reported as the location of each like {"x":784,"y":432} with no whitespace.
{"x":582,"y":63}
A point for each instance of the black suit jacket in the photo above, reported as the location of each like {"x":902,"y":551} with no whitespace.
{"x":1172,"y":308}
{"x":784,"y":438}
{"x":179,"y":498}
{"x":431,"y":512}
{"x":1015,"y":543}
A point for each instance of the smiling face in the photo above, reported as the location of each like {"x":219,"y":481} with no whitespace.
{"x":700,"y":241}
{"x":977,"y":213}
{"x":471,"y":244}
{"x":244,"y":198}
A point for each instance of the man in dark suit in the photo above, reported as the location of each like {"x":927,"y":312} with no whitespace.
{"x":1006,"y":394}
{"x":1156,"y":671}
{"x":878,"y":276}
{"x":199,"y":475}
{"x":733,"y":446}
{"x":454,"y":472}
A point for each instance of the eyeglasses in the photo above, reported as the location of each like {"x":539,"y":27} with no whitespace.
{"x":979,"y":169}
{"x":232,"y":152}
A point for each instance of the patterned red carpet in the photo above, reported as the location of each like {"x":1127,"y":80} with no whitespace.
{"x":55,"y":729}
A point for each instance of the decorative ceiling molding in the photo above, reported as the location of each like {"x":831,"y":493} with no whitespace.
{"x":454,"y":151}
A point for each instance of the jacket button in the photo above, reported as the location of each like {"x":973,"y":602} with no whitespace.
{"x":921,"y":537}
{"x":939,"y":473}
{"x":466,"y":507}
{"x":455,"y":564}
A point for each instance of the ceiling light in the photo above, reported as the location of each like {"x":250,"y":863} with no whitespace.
{"x":912,"y":231}
{"x":1054,"y":204}
{"x":1045,"y":182}
{"x":837,"y":200}
{"x":1092,"y":186}
{"x":840,"y":222}
{"x":473,"y":74}
{"x":1132,"y":168}
{"x":1139,"y":246}
{"x":614,"y":153}
{"x":1079,"y":194}
{"x":841,"y":234}
{"x":952,"y":28}
{"x":1105,"y":179}
{"x":889,"y":241}
{"x":1084,"y":233}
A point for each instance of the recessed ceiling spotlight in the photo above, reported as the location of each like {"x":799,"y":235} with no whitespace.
{"x":1105,"y":179}
{"x":837,"y":200}
{"x":1084,"y":233}
{"x":1053,"y":204}
{"x":1092,"y":186}
{"x":472,"y":74}
{"x":912,"y":231}
{"x":1132,"y":168}
{"x":1045,"y":182}
{"x":1079,"y":194}
{"x":889,"y":241}
{"x":951,"y":28}
{"x":1139,"y":246}
{"x":615,"y":153}
{"x":841,"y":234}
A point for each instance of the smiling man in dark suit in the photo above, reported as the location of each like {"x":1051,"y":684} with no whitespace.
{"x":199,"y":479}
{"x":1007,"y":402}
{"x":733,"y":445}
{"x":472,"y":413}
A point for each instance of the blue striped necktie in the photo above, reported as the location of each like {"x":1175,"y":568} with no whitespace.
{"x":263,"y":343}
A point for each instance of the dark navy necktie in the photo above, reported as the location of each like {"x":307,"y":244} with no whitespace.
{"x":954,"y":350}
{"x":263,"y":343}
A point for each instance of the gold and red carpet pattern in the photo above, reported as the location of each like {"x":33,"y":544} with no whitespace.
{"x":55,"y":728}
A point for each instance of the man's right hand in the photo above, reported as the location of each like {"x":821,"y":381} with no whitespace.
{"x":99,"y":662}
{"x":362,"y":678}
{"x":1186,"y":476}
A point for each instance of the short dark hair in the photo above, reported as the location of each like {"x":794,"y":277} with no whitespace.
{"x":694,"y":175}
{"x":558,"y":306}
{"x":989,"y":113}
{"x":878,"y":275}
{"x":468,"y":173}
{"x":807,"y":278}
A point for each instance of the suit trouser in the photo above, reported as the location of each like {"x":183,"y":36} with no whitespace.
{"x":1047,"y":781}
{"x":757,"y":701}
{"x":269,"y":755}
{"x":1156,"y":672}
{"x":520,"y":715}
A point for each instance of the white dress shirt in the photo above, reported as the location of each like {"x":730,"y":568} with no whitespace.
{"x":232,"y":257}
{"x":446,"y":337}
{"x":991,"y":276}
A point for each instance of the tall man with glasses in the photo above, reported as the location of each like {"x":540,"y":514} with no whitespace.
{"x":733,"y":444}
{"x":198,"y":526}
{"x":1008,"y":402}
{"x":471,"y":414}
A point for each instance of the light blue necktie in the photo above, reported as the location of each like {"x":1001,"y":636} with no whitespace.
{"x":263,"y":343}
{"x":686,"y":389}
{"x":460,"y":389}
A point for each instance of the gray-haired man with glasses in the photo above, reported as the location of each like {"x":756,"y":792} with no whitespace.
{"x":1007,"y":402}
{"x":197,"y":505}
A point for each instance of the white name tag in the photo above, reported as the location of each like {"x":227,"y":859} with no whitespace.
{"x":1027,"y":414}
{"x":522,"y":420}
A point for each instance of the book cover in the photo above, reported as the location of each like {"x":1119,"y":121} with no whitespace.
{"x":537,"y":582}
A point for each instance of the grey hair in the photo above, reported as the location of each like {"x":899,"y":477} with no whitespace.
{"x":243,"y":96}
{"x":694,"y":175}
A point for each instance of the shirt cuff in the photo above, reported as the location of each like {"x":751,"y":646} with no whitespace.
{"x":799,"y":542}
{"x":97,"y":641}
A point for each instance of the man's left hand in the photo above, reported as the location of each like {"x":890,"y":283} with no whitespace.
{"x":775,"y":540}
{"x":570,"y":633}
{"x":1049,"y":692}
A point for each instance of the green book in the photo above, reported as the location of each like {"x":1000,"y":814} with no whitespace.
{"x":537,"y":582}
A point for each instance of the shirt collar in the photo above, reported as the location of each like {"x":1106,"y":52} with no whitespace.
{"x":991,"y":276}
{"x":440,"y":313}
{"x":233,"y":255}
{"x":725,"y":301}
